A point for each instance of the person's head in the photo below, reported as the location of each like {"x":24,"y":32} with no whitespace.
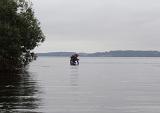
{"x":76,"y":55}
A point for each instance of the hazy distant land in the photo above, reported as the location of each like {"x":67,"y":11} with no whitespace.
{"x":118,"y":53}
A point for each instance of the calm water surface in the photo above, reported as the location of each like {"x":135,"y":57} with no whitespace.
{"x":97,"y":85}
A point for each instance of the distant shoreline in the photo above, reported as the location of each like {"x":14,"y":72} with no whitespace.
{"x":118,"y":53}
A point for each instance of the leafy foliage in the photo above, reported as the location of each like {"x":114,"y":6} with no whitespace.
{"x":20,"y":33}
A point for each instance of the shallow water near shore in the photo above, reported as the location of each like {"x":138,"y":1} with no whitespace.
{"x":97,"y":85}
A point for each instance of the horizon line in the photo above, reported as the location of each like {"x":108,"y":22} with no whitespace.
{"x":96,"y":51}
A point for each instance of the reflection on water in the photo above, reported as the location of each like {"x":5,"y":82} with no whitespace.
{"x":18,"y":93}
{"x":74,"y":76}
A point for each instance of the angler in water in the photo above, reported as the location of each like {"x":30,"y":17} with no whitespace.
{"x":74,"y":60}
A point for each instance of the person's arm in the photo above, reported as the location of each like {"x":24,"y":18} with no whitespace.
{"x":77,"y":61}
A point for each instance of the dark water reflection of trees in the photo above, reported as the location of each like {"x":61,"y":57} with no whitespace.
{"x":19,"y":93}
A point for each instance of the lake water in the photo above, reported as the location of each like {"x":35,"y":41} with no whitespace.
{"x":97,"y":85}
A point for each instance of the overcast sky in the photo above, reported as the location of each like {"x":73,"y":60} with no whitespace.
{"x":98,"y":25}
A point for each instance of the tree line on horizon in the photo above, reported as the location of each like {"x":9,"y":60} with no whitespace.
{"x":116,"y":53}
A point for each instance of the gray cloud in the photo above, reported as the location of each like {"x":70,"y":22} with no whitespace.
{"x":99,"y":25}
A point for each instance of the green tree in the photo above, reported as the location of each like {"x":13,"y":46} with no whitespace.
{"x":20,"y":33}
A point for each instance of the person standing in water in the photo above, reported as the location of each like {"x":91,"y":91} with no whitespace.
{"x":74,"y":59}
